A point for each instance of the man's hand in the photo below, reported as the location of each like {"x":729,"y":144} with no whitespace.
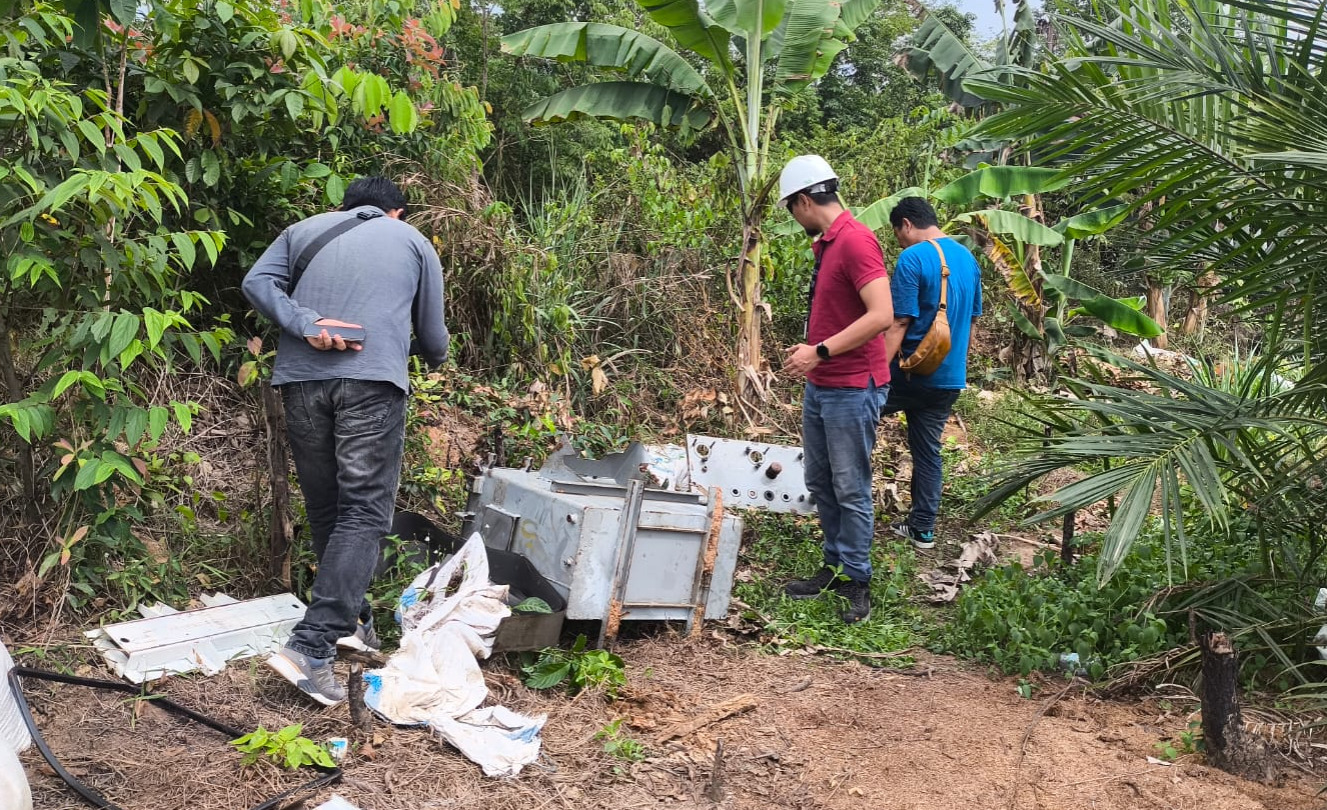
{"x":800,"y":359}
{"x":329,"y":340}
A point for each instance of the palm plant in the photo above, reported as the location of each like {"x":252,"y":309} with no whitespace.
{"x":754,"y":56}
{"x":1213,"y":115}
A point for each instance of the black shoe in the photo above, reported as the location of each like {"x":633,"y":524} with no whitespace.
{"x":825,"y":579}
{"x":858,"y":595}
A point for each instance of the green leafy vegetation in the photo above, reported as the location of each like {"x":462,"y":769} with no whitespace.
{"x":1030,"y":620}
{"x":580,"y":669}
{"x":618,"y":745}
{"x":285,"y":748}
{"x":784,"y":548}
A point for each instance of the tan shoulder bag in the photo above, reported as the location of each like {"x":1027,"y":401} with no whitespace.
{"x":934,"y":347}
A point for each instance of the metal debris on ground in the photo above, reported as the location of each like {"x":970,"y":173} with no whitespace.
{"x":614,"y":547}
{"x":171,"y":642}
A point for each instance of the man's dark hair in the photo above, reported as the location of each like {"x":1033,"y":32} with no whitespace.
{"x":377,"y":191}
{"x":825,"y":197}
{"x":915,"y":210}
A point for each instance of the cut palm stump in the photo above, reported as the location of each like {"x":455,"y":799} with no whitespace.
{"x":1229,"y":747}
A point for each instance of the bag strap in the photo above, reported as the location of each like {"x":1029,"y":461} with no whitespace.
{"x":944,"y":275}
{"x":321,"y":241}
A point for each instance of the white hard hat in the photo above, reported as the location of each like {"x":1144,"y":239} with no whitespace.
{"x":803,"y":172}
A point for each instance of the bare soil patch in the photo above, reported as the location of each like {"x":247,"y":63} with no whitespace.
{"x":821,"y":735}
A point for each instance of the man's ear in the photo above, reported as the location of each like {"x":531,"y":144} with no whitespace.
{"x":396,"y":213}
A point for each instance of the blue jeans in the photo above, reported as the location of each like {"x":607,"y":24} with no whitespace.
{"x":347,"y":438}
{"x":927,"y":410}
{"x":838,"y":435}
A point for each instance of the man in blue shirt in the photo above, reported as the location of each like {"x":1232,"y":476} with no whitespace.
{"x":927,"y":400}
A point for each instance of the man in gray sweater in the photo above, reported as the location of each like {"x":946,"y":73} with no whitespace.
{"x":346,"y":305}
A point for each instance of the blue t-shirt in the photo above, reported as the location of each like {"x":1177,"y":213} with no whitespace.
{"x":915,"y":287}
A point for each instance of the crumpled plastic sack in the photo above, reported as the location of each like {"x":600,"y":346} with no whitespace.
{"x":15,"y":794}
{"x":449,"y":615}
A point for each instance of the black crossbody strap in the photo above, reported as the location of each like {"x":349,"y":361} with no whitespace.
{"x":323,"y":239}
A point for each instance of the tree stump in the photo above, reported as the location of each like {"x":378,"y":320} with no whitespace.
{"x":1227,"y":744}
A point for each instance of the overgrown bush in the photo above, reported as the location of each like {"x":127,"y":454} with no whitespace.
{"x":1024,"y":620}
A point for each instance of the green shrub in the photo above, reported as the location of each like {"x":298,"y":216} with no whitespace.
{"x":1025,"y":620}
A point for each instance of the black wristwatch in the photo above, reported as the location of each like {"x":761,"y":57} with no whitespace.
{"x":822,"y":351}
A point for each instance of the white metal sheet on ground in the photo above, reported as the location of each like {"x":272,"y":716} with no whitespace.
{"x":751,"y":475}
{"x":203,"y":639}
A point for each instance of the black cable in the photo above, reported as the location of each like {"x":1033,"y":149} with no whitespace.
{"x":329,"y":775}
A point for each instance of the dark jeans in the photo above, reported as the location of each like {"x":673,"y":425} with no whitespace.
{"x":347,"y":438}
{"x":927,"y":410}
{"x":838,"y":435}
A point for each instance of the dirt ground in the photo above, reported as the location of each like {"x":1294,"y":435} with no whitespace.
{"x":821,"y":734}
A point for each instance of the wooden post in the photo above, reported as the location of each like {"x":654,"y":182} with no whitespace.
{"x":281,"y":534}
{"x":1067,"y":540}
{"x":360,"y":716}
{"x":1227,"y":745}
{"x":714,"y":790}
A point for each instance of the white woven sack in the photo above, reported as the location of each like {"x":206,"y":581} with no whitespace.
{"x":14,"y":790}
{"x":13,"y":732}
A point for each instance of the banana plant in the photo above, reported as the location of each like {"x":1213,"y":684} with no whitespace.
{"x":754,"y":56}
{"x":1046,"y":302}
{"x":1049,"y":307}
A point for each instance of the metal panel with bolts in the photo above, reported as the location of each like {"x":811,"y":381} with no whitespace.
{"x":750,"y":474}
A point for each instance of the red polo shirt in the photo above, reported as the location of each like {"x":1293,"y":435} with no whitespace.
{"x":850,"y":258}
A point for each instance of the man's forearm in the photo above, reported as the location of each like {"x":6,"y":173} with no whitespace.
{"x":857,"y":333}
{"x":265,"y":287}
{"x":894,"y":337}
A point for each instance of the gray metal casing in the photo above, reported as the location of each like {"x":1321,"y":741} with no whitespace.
{"x":570,"y":532}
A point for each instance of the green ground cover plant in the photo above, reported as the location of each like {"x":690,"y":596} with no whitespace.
{"x":782,"y":547}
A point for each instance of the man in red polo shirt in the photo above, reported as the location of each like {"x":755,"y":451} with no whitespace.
{"x":847,"y":379}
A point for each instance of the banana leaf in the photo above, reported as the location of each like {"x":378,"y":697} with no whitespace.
{"x":1116,"y":314}
{"x":1092,"y":223}
{"x":620,"y":101}
{"x":808,"y":43}
{"x":1012,"y":269}
{"x":1025,"y":230}
{"x":936,"y":48}
{"x":609,"y":46}
{"x":691,"y":27}
{"x":1001,"y":182}
{"x":876,"y":215}
{"x":745,"y":18}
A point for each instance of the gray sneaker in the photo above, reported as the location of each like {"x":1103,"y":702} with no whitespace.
{"x":312,"y":676}
{"x":364,"y":639}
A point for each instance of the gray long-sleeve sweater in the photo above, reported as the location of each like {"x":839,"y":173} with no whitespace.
{"x":383,"y":275}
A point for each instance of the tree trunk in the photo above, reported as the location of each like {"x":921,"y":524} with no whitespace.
{"x":1026,"y":349}
{"x":14,"y":389}
{"x":1227,"y":745}
{"x":1157,"y":309}
{"x":752,"y":370}
{"x":1195,"y":320}
{"x":281,"y":535}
